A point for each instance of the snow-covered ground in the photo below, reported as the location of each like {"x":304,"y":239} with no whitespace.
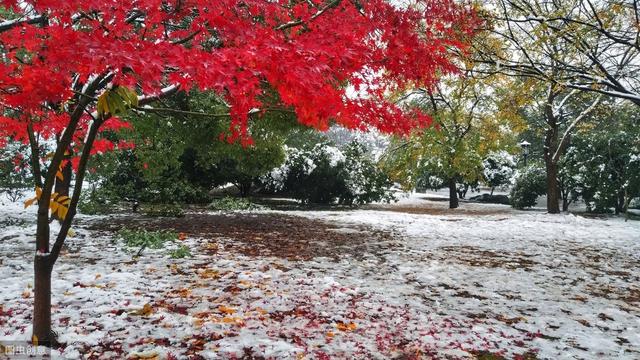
{"x":446,"y":284}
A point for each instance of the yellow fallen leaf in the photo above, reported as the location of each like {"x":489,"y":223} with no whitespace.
{"x":209,"y":274}
{"x":145,"y":311}
{"x":26,"y":294}
{"x":226,"y":310}
{"x":231,"y":320}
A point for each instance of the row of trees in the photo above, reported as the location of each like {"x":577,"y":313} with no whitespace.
{"x":563,"y":76}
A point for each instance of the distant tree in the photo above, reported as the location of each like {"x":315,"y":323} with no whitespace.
{"x":473,"y":115}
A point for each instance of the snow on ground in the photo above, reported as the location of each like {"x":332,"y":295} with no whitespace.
{"x":446,"y":284}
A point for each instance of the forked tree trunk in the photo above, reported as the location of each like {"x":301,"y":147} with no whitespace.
{"x":63,"y":186}
{"x":453,"y":194}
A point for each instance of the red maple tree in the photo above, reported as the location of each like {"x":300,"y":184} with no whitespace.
{"x":69,"y":67}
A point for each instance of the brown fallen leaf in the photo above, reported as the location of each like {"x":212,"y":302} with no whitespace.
{"x":226,"y":310}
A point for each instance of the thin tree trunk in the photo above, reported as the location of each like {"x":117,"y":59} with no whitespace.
{"x":620,"y":204}
{"x":550,"y":148}
{"x":453,"y":194}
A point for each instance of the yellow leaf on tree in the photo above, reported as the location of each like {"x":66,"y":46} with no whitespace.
{"x":30,"y":202}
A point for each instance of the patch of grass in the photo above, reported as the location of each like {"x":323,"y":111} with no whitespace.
{"x":234,"y":204}
{"x":180,"y":253}
{"x":146,"y":239}
{"x":163,"y":210}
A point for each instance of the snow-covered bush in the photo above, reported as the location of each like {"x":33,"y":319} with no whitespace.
{"x":528,"y":184}
{"x":603,"y":167}
{"x":498,"y":169}
{"x":327,"y":174}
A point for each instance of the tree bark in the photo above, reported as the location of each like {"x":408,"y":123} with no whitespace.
{"x":453,"y":194}
{"x":621,"y":201}
{"x":42,"y":331}
{"x":553,"y":190}
{"x":550,"y":148}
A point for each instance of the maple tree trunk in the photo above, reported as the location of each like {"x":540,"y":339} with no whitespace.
{"x":42,"y":331}
{"x":453,"y":194}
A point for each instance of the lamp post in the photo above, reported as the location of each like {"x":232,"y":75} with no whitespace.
{"x":525,"y":150}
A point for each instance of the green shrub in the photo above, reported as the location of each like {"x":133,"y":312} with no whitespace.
{"x":146,"y":239}
{"x":163,"y":210}
{"x":528,"y":185}
{"x":234,"y":204}
{"x":95,"y":203}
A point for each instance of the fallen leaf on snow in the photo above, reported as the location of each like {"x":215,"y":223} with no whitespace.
{"x":147,"y":355}
{"x":145,"y":311}
{"x":346,"y":327}
{"x":226,"y":310}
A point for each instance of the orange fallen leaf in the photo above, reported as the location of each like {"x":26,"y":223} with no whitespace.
{"x":182,"y":236}
{"x":261,"y":311}
{"x":330,"y":334}
{"x":346,"y":327}
{"x":232,"y":320}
